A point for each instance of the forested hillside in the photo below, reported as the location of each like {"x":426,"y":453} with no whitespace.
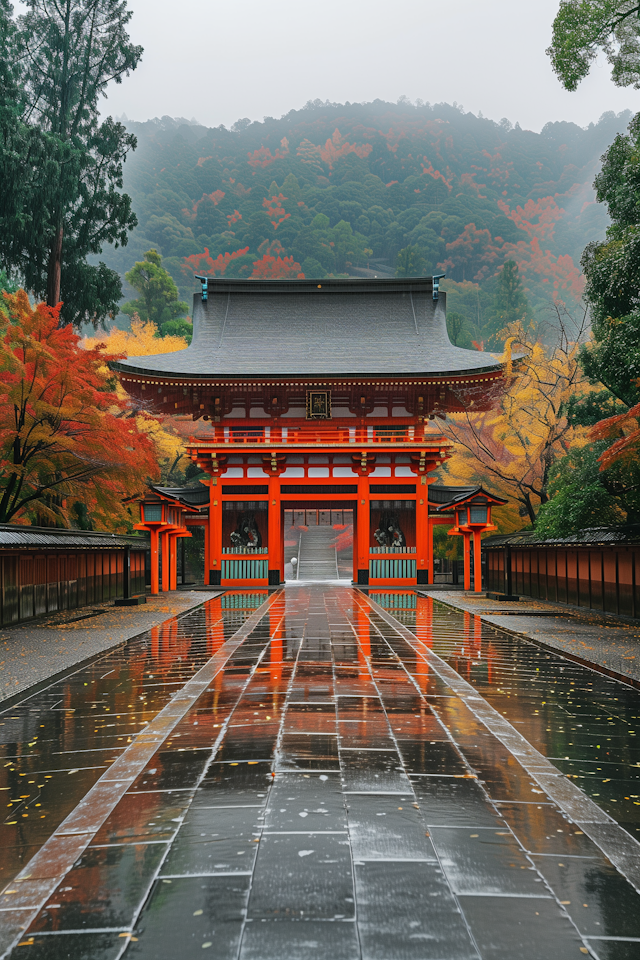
{"x":342,"y":189}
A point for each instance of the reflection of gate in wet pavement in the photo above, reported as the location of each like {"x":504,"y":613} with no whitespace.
{"x":318,"y":559}
{"x":319,"y":759}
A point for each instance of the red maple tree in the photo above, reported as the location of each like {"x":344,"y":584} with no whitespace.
{"x":65,"y":435}
{"x":204,"y":262}
{"x":276,"y":268}
{"x":275,"y":210}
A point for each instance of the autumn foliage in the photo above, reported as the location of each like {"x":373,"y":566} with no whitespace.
{"x":276,"y":268}
{"x":513,"y":446}
{"x":65,"y":436}
{"x":141,"y":340}
{"x":205,"y":264}
{"x":623,"y":433}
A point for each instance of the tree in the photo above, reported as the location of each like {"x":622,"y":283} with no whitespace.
{"x":29,"y":158}
{"x":410,"y":262}
{"x":455,"y":326}
{"x":513,"y":446}
{"x":579,"y":494}
{"x":276,"y":268}
{"x":584,"y":28}
{"x":158,"y":302}
{"x":613,"y":357}
{"x":69,"y":52}
{"x":612,"y":270}
{"x":142,"y":340}
{"x":65,"y":436}
{"x":510,"y":304}
{"x":6,"y":286}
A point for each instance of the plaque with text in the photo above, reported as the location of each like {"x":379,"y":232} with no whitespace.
{"x":318,"y":405}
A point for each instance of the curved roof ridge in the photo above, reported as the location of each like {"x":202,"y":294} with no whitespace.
{"x":300,"y":328}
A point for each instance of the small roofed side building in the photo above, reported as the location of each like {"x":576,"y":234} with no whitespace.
{"x":308,"y":392}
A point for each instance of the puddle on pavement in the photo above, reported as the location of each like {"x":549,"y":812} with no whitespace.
{"x":56,"y":744}
{"x":586,"y":724}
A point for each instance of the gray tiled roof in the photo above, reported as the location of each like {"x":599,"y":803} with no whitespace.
{"x":460,"y":494}
{"x":194,"y":496}
{"x":300,"y":328}
{"x":629,"y":533}
{"x":440,"y":494}
{"x":53,"y":538}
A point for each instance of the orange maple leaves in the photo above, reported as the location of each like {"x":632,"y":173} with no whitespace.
{"x":474,"y":251}
{"x":64,"y":433}
{"x":546,"y":211}
{"x":263,"y":157}
{"x":204,"y":262}
{"x":625,"y":429}
{"x":429,"y":170}
{"x":272,"y":266}
{"x":276,"y":268}
{"x":275,"y":209}
{"x":215,"y":198}
{"x":333,"y":150}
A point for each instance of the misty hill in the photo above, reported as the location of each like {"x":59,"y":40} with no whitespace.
{"x":340,"y":189}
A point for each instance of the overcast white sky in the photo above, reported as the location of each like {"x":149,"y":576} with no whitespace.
{"x":221,"y":61}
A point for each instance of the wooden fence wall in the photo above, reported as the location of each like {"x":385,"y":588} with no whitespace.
{"x":594,"y":576}
{"x":41,"y":582}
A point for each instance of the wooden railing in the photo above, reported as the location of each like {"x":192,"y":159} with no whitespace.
{"x":356,"y":436}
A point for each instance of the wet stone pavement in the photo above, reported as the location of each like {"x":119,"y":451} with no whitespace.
{"x":318,"y":773}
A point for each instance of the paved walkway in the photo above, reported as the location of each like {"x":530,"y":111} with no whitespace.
{"x":31,"y":653}
{"x":589,"y":636}
{"x":307,"y":777}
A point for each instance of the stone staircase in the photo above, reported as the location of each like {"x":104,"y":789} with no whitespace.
{"x":317,"y":559}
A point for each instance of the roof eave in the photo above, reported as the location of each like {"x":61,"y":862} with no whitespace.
{"x":120,"y":366}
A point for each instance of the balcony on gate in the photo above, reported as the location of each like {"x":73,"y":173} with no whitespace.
{"x":334,"y":436}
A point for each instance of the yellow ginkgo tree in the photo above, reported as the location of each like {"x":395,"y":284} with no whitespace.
{"x":142,"y":340}
{"x":511,"y":447}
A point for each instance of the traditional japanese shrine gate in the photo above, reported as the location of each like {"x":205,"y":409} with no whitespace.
{"x":319,"y":395}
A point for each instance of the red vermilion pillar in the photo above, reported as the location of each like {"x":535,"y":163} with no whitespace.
{"x":206,"y":553}
{"x":275,"y":533}
{"x":423,"y":532}
{"x":155,"y":584}
{"x":467,"y":560}
{"x":173,"y":573}
{"x":173,"y":569}
{"x":214,"y":540}
{"x":477,"y":562}
{"x":354,"y":545}
{"x":165,"y":548}
{"x":362,"y":531}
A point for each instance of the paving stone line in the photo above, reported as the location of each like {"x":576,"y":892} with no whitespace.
{"x":444,"y":854}
{"x":616,"y":844}
{"x":160,"y":872}
{"x":429,"y":852}
{"x":74,"y":834}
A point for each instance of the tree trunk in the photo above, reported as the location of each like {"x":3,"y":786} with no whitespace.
{"x":55,"y":267}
